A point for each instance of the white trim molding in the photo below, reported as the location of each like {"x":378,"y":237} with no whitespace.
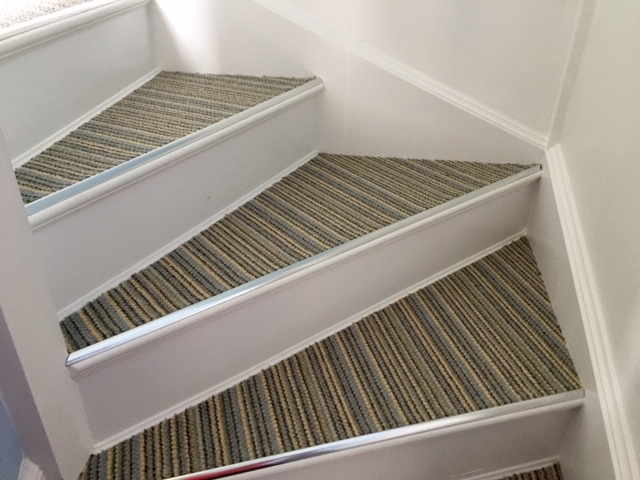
{"x":44,"y":29}
{"x":616,"y":422}
{"x":439,"y":427}
{"x":411,"y":75}
{"x":63,"y":132}
{"x":30,"y":471}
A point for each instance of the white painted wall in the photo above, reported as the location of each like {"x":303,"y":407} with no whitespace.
{"x":507,"y":56}
{"x":46,"y":87}
{"x":369,"y":108}
{"x":601,"y":146}
{"x":42,"y":399}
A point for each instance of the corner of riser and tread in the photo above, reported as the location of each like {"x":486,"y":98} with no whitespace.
{"x":497,"y":442}
{"x":227,"y":324}
{"x":79,"y":48}
{"x":153,"y":210}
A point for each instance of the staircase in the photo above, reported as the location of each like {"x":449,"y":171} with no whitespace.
{"x":235,"y":302}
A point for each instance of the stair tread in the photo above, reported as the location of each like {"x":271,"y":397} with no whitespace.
{"x":551,"y":472}
{"x":482,"y":337}
{"x":327,"y":202}
{"x":170,"y":106}
{"x":15,"y":12}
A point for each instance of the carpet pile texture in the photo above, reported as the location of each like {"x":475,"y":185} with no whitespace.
{"x":170,"y":106}
{"x":327,"y":202}
{"x":482,"y":337}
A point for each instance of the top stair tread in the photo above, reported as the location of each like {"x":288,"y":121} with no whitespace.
{"x":15,"y":12}
{"x":327,"y":202}
{"x":170,"y":106}
{"x":483,"y":337}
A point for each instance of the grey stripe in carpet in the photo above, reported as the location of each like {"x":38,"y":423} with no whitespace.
{"x":170,"y":106}
{"x":328,"y":201}
{"x":482,"y":337}
{"x":13,"y":12}
{"x":552,"y":472}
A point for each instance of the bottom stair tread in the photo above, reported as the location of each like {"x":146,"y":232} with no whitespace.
{"x":552,"y":472}
{"x":482,"y":337}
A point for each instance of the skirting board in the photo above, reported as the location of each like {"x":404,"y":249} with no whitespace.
{"x":30,"y":471}
{"x":60,"y":134}
{"x":617,"y":425}
{"x":411,"y":75}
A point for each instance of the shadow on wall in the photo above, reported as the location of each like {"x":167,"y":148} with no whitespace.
{"x":10,"y":451}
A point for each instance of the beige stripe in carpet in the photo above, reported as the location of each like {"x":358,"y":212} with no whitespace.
{"x":482,"y":337}
{"x":327,"y":202}
{"x":170,"y":106}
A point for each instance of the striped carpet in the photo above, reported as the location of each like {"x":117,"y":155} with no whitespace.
{"x":552,"y":472}
{"x":330,"y":200}
{"x":168,"y":107}
{"x":482,"y":337}
{"x":13,"y":12}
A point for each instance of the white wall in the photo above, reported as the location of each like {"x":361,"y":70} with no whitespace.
{"x":42,"y":399}
{"x":507,"y":56}
{"x":601,"y":146}
{"x":369,"y":108}
{"x":600,"y":142}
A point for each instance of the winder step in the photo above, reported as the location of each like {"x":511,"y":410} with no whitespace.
{"x":479,"y":342}
{"x":161,"y":113}
{"x":330,"y":201}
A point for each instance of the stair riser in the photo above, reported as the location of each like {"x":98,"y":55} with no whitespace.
{"x":483,"y":451}
{"x":169,"y":369}
{"x":52,"y":76}
{"x":136,"y":221}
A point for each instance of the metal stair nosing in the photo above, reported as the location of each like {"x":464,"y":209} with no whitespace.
{"x":163,"y":368}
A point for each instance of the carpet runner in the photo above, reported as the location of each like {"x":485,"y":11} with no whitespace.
{"x":482,"y":337}
{"x":170,"y":106}
{"x":552,"y":472}
{"x":327,"y":202}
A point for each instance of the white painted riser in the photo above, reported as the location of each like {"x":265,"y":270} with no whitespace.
{"x":90,"y":244}
{"x":139,"y":383}
{"x":53,"y":76}
{"x":481,"y":451}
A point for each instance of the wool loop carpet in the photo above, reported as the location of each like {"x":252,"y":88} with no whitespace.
{"x":325,"y":203}
{"x":482,"y":337}
{"x":170,"y":106}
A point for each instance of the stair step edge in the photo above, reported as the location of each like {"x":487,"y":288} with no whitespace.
{"x":60,"y":203}
{"x":82,"y":362}
{"x":561,"y":401}
{"x":27,"y":35}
